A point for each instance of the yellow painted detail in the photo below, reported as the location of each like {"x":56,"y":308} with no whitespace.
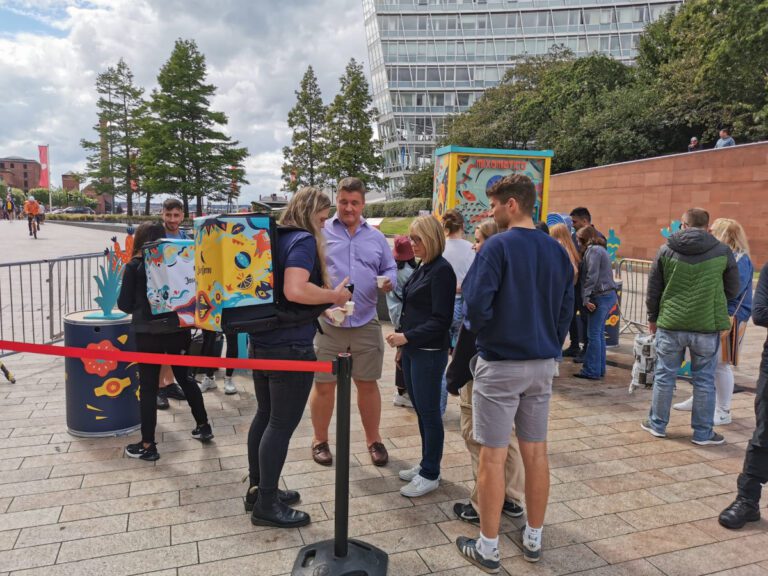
{"x":93,"y":408}
{"x":112,"y":387}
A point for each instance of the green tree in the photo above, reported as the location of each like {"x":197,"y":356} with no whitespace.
{"x":419,"y":183}
{"x":304,"y":157}
{"x":351,"y":149}
{"x":111,"y":164}
{"x":184,"y":152}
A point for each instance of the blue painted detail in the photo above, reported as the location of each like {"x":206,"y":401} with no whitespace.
{"x":495,"y":152}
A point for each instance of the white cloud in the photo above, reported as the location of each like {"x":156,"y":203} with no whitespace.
{"x":256,"y":51}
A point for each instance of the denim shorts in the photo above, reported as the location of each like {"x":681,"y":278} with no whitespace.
{"x":507,"y":393}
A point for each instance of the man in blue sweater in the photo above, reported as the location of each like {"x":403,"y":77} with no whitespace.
{"x":519,"y":298}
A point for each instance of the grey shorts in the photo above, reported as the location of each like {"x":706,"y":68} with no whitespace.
{"x":366,"y":343}
{"x":508,"y":392}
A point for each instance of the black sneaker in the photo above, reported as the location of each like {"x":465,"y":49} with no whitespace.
{"x":138,"y":451}
{"x":571,"y":352}
{"x":530,"y":553}
{"x":162,"y":400}
{"x":287,"y":497}
{"x":739,"y":513}
{"x":466,"y":512}
{"x":512,"y":509}
{"x":714,"y":440}
{"x":174,"y":391}
{"x":468,"y":549}
{"x":203,"y":433}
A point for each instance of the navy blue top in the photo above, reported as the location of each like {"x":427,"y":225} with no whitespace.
{"x":295,"y":249}
{"x":428,"y":301}
{"x":519,"y":296}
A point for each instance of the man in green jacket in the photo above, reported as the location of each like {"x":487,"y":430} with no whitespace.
{"x":691,"y":280}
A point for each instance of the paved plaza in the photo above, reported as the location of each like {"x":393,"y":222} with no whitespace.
{"x":622,"y":502}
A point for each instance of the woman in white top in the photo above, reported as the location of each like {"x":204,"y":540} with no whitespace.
{"x":460,"y":255}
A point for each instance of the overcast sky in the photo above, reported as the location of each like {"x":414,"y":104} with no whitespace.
{"x":256,"y":51}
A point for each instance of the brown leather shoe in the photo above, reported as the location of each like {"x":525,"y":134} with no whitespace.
{"x":321,"y":453}
{"x":379,"y":455}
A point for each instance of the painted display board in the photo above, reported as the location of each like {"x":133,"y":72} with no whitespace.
{"x":233,"y":265}
{"x":170,"y":266}
{"x":463,"y":175}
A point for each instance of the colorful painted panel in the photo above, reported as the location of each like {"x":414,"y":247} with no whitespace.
{"x":233,"y":265}
{"x":441,"y":185}
{"x":170,"y":266}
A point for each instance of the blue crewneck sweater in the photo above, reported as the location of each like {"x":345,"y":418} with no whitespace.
{"x":519,"y":296}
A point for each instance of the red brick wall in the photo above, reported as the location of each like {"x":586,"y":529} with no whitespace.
{"x":638,"y":199}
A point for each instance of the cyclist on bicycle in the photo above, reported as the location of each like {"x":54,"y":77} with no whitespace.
{"x":32,"y":209}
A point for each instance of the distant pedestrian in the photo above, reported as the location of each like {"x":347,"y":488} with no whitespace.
{"x":406,"y":265}
{"x":693,"y":145}
{"x":725,"y":139}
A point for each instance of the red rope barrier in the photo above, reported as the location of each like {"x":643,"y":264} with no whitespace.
{"x":173,"y":359}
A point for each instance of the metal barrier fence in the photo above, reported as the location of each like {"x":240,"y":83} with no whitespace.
{"x":634,"y":277}
{"x":36,"y":295}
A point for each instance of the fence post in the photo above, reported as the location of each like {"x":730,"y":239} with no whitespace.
{"x":51,"y":319}
{"x":341,"y":556}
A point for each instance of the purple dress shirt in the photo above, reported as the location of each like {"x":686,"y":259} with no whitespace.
{"x":362,"y":257}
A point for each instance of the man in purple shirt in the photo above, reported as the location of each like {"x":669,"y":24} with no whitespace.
{"x":356,"y":250}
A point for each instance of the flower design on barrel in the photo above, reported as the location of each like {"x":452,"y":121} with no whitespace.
{"x":100,"y":367}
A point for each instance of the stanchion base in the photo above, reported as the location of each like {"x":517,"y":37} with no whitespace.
{"x":361,"y":560}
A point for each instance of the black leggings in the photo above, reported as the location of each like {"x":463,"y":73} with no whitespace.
{"x":149,"y":377}
{"x":209,"y":346}
{"x":755,"y":473}
{"x":281,"y":398}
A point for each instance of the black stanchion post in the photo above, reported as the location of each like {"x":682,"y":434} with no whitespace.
{"x":341,"y":556}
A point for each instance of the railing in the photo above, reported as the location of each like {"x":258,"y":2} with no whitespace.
{"x":634,"y":277}
{"x":36,"y":295}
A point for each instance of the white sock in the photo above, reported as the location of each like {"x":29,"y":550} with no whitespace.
{"x":488,"y":547}
{"x":532,"y":536}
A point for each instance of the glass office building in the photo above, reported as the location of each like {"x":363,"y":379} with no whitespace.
{"x":432,"y":58}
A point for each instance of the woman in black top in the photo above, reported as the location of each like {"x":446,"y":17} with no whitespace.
{"x":158,"y":334}
{"x":428,"y":299}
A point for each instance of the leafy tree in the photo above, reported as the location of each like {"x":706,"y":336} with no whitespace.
{"x":184,"y":152}
{"x":419,"y":183}
{"x":351,"y":149}
{"x":304,"y":158}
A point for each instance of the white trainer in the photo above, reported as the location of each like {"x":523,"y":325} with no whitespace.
{"x":722,"y":417}
{"x":557,"y":369}
{"x":402,"y":400}
{"x":229,"y":386}
{"x":208,"y":383}
{"x":410,"y":474}
{"x":419,"y":486}
{"x":686,"y":406}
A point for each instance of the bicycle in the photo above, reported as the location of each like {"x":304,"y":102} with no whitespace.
{"x":33,"y":226}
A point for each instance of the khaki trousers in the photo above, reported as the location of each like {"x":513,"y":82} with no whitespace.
{"x":513,"y":468}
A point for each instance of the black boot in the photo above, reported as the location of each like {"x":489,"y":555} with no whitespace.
{"x":739,"y":513}
{"x":287,"y":497}
{"x":278,"y":515}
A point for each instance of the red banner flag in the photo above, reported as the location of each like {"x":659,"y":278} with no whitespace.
{"x":45,"y":179}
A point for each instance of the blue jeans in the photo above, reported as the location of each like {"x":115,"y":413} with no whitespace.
{"x":423,"y":370}
{"x":458,"y":318}
{"x":594,"y":357}
{"x":670,"y":351}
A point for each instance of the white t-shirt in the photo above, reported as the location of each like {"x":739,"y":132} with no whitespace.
{"x":460,"y":256}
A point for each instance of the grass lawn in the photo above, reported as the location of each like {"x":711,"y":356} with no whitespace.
{"x":396,"y":225}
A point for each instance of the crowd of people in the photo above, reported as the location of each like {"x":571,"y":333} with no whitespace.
{"x":452,"y":304}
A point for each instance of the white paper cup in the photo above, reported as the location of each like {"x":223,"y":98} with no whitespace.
{"x":338,"y":315}
{"x":349,"y":308}
{"x":380,"y":281}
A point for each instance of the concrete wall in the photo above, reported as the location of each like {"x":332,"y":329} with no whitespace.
{"x":638,"y":199}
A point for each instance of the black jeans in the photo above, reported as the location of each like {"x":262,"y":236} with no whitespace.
{"x":755,"y":471}
{"x":281,"y":397}
{"x":149,"y":376}
{"x":209,"y":349}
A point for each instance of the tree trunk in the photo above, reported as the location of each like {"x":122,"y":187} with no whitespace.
{"x":146,"y":203}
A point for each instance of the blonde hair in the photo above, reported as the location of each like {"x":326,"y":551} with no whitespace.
{"x":732,"y":234}
{"x":305,"y":203}
{"x":432,"y":237}
{"x":561,"y":233}
{"x":488,"y":228}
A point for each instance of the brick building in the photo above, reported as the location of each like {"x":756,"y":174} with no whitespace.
{"x":70,"y":182}
{"x":20,"y":173}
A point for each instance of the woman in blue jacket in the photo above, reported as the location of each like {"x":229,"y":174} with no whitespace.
{"x":425,"y":321}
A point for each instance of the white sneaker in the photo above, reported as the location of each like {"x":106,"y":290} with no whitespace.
{"x":419,"y":486}
{"x":410,"y":474}
{"x":557,"y":369}
{"x":686,"y":406}
{"x":208,"y":383}
{"x":402,"y":400}
{"x":722,"y":417}
{"x":229,"y":386}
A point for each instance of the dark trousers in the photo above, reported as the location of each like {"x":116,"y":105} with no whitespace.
{"x":423,"y":370}
{"x":149,"y":376}
{"x":755,"y":471}
{"x":281,"y":397}
{"x":209,"y":349}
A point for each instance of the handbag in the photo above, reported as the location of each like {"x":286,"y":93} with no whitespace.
{"x":730,"y":340}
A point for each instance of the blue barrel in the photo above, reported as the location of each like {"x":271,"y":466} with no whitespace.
{"x":102,"y":397}
{"x":612,"y":323}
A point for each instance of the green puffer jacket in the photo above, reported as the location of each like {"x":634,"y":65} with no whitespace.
{"x":691,"y":280}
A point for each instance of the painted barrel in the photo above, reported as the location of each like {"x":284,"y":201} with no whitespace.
{"x":102,"y":396}
{"x":612,"y":323}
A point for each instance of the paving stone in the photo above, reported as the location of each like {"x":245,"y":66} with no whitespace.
{"x":666,"y":515}
{"x":226,"y":526}
{"x":691,"y":490}
{"x":649,"y":543}
{"x":30,"y":518}
{"x":107,"y":545}
{"x":406,"y":564}
{"x":12,"y":560}
{"x":72,"y":530}
{"x":40,"y":486}
{"x":8,"y":539}
{"x":148,"y":473}
{"x":245,"y":544}
{"x":691,"y":472}
{"x":631,"y":568}
{"x":565,"y":560}
{"x":751,"y":570}
{"x":594,"y":470}
{"x":613,"y":503}
{"x":719,"y":556}
{"x":182,"y":514}
{"x":581,"y":531}
{"x":404,"y":539}
{"x":269,"y":564}
{"x":65,"y":497}
{"x":119,"y":506}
